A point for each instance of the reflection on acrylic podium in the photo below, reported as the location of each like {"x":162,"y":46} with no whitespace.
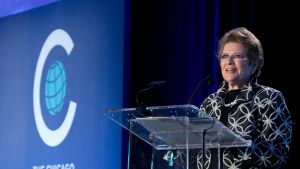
{"x":178,"y":128}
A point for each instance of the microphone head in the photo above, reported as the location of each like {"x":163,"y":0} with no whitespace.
{"x":156,"y":83}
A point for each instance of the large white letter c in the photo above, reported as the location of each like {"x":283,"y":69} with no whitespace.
{"x":51,"y":137}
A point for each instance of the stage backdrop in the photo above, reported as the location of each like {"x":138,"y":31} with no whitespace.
{"x":61,"y":65}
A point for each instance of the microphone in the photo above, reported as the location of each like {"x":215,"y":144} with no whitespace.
{"x":207,"y":80}
{"x":148,"y":87}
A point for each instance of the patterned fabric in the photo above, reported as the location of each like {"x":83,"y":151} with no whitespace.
{"x":258,"y":113}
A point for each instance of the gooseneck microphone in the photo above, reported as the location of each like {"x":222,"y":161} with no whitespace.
{"x":207,"y":80}
{"x":148,"y":87}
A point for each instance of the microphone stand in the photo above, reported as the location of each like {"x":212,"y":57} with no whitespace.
{"x":203,"y":142}
{"x":207,"y":80}
{"x":141,"y":105}
{"x":144,"y":112}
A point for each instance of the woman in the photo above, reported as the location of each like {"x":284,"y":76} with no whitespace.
{"x":253,"y":111}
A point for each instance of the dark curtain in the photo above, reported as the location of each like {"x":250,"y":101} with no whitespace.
{"x":173,"y":41}
{"x":176,"y":41}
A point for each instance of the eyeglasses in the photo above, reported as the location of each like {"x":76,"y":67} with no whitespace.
{"x":235,"y":57}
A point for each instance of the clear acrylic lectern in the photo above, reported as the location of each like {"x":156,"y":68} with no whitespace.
{"x":176,"y":127}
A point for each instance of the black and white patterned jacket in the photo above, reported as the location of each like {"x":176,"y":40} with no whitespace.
{"x":258,"y":113}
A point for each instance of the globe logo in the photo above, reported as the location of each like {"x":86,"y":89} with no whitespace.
{"x":55,"y":88}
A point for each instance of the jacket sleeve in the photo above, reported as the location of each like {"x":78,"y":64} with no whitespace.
{"x":274,"y":127}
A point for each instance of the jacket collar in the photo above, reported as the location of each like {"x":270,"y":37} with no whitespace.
{"x":247,"y":93}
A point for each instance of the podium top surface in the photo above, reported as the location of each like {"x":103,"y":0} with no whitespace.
{"x":175,"y":127}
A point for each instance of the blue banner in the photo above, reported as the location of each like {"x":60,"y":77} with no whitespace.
{"x":61,"y":66}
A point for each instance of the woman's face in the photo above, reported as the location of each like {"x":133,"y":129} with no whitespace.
{"x":235,"y":67}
